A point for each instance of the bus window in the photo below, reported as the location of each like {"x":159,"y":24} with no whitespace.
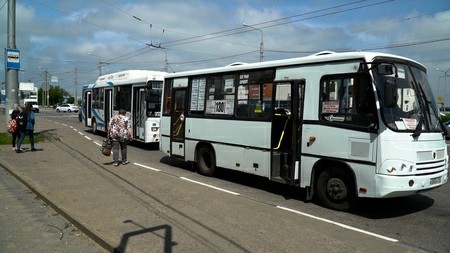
{"x":153,"y":98}
{"x":254,"y":95}
{"x":166,"y":98}
{"x":122,"y":98}
{"x":97,"y":98}
{"x":197,"y":94}
{"x":348,"y":100}
{"x":220,"y":95}
{"x":178,"y":114}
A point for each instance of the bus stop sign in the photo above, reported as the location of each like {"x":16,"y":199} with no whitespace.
{"x":12,"y":58}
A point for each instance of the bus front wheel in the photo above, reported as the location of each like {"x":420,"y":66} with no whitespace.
{"x":206,"y":161}
{"x":335,"y":189}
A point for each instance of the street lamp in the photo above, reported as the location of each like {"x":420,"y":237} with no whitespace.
{"x":99,"y":63}
{"x":76,"y":82}
{"x":261,"y":45}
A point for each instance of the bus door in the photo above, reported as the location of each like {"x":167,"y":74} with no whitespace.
{"x":177,"y":124}
{"x":87,"y":110}
{"x":108,"y":107}
{"x":286,"y":130}
{"x":139,"y":113}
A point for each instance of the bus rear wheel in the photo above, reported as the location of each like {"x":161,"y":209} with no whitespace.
{"x":335,"y":189}
{"x":206,"y":161}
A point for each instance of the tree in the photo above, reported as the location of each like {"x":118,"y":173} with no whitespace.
{"x":56,"y":94}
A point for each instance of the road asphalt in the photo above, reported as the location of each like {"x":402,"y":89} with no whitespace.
{"x":55,"y":197}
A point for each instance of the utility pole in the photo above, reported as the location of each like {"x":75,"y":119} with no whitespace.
{"x":46,"y":87}
{"x":76,"y":85}
{"x":75,"y":82}
{"x":45,"y":96}
{"x":12,"y":74}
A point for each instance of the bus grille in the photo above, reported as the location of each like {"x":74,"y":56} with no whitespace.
{"x":430,"y":162}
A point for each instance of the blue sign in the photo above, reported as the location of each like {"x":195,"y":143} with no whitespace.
{"x":12,"y":58}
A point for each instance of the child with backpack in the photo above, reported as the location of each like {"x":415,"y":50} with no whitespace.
{"x":13,"y":127}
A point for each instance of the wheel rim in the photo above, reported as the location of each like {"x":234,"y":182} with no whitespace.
{"x":336,"y":189}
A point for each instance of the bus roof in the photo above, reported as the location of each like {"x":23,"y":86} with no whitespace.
{"x":325,"y":56}
{"x":127,"y":77}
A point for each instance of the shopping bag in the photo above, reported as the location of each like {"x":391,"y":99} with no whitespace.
{"x":106,"y":147}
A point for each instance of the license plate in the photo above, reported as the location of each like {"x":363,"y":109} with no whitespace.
{"x":436,"y":180}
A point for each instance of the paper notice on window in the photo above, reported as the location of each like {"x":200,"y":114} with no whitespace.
{"x":330,"y":106}
{"x":406,"y":124}
{"x":410,"y":123}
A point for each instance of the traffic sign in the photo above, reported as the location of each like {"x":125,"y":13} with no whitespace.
{"x":12,"y":58}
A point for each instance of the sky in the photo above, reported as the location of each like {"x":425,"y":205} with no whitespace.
{"x":76,"y":40}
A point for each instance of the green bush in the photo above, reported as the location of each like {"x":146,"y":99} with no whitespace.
{"x":445,"y":118}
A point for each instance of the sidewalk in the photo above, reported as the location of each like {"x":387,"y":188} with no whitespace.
{"x":28,"y":223}
{"x":119,"y":218}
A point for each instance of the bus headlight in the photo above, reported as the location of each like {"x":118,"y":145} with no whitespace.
{"x":398,"y":167}
{"x":154,"y":129}
{"x":403,"y":167}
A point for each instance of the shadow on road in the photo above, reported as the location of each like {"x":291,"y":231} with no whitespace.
{"x":249,"y":180}
{"x":367,"y":207}
{"x":392,"y":207}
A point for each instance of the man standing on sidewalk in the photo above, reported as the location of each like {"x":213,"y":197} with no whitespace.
{"x":119,"y":131}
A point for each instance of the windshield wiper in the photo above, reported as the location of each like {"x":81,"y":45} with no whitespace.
{"x":418,"y":129}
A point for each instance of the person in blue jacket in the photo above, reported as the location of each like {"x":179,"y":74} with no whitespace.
{"x":27,"y":128}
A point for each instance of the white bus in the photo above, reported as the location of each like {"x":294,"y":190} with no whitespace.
{"x":341,"y":125}
{"x":137,"y":91}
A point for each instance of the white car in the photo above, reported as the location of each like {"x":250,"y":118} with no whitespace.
{"x":34,"y":106}
{"x":447,"y":126}
{"x":67,"y":108}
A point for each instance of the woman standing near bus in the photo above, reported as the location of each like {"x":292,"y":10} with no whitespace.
{"x":119,"y":130}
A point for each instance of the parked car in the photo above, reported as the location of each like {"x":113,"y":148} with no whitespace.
{"x":67,"y":108}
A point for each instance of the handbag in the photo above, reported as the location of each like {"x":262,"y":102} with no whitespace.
{"x":106,"y":147}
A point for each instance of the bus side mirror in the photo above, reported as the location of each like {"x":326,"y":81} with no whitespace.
{"x":385,"y":69}
{"x":390,"y":93}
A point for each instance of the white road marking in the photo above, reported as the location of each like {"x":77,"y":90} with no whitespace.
{"x":210,"y":186}
{"x":146,"y":167}
{"x":340,"y":224}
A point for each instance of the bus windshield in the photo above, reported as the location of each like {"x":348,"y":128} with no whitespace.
{"x":153,"y":98}
{"x":406,"y":101}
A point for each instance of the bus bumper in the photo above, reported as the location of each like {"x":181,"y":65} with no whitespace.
{"x":389,"y":186}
